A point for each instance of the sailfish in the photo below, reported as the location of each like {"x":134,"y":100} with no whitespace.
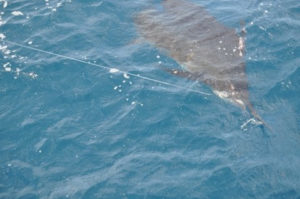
{"x":207,"y":50}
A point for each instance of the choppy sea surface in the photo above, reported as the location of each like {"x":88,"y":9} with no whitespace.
{"x":70,"y":128}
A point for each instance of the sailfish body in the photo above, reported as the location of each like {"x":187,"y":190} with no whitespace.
{"x":207,"y":50}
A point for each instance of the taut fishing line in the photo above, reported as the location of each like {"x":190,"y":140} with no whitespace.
{"x":106,"y":68}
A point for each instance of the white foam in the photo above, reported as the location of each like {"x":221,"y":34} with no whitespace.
{"x":40,"y":144}
{"x":2,"y":36}
{"x":6,"y":65}
{"x":18,"y":71}
{"x":17,"y":13}
{"x":4,"y":3}
{"x":32,"y":75}
{"x":7,"y":69}
{"x":114,"y":70}
{"x":7,"y":52}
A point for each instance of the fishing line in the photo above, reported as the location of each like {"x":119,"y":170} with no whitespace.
{"x":106,"y":68}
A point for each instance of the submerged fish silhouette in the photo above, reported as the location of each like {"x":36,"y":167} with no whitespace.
{"x":207,"y":50}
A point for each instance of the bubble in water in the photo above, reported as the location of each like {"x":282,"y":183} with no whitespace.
{"x":7,"y":69}
{"x":33,"y":75}
{"x":126,"y":76}
{"x":2,"y":36}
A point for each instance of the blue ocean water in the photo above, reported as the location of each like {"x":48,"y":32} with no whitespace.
{"x":71,"y":129}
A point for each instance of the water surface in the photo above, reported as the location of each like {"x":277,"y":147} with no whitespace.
{"x":70,"y":129}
